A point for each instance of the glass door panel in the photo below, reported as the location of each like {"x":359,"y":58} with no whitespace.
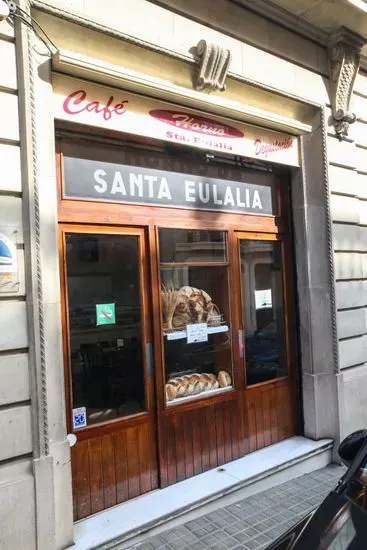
{"x":105,"y":326}
{"x":262,"y":310}
{"x":196,"y":313}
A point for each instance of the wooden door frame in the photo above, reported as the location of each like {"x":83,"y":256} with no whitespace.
{"x":289,"y":319}
{"x":146,"y":330}
{"x":149,"y":219}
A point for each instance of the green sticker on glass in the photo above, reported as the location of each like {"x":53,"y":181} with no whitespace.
{"x":105,"y":314}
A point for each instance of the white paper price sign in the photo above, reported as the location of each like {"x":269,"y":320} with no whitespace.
{"x":197,"y":333}
{"x":263,"y":298}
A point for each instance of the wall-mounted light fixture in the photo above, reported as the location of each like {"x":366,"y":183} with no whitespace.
{"x":7,"y":7}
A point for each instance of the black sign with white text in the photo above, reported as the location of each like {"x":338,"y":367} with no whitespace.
{"x":104,"y":181}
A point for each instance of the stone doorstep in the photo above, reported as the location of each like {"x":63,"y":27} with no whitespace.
{"x":129,"y":523}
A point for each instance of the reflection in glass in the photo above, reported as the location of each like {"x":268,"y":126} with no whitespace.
{"x":196,"y":330}
{"x":183,"y":245}
{"x":105,"y":325}
{"x":263,"y":310}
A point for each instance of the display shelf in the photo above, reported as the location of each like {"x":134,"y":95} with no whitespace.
{"x":180,"y":334}
{"x":202,"y":395}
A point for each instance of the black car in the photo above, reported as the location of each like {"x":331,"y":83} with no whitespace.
{"x":340,"y":522}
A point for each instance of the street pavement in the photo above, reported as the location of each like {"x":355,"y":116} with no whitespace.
{"x":251,"y":523}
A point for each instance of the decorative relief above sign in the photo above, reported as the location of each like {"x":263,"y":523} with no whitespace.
{"x":214,"y":65}
{"x":95,"y":105}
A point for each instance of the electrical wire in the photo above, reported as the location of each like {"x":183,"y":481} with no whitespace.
{"x":37,"y":29}
{"x":30,"y":26}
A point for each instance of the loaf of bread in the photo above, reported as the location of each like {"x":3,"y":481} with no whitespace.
{"x":186,"y":305}
{"x":224,"y":379}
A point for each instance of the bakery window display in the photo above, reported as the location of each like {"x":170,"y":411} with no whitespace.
{"x":195,"y":315}
{"x":194,"y":384}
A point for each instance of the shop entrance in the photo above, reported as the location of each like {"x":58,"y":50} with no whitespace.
{"x":179,"y":320}
{"x":109,"y":352}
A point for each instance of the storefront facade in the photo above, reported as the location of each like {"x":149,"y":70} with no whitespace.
{"x":190,"y":279}
{"x":157,"y":398}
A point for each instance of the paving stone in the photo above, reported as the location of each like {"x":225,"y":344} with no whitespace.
{"x":178,"y":544}
{"x":157,"y":543}
{"x":203,"y":531}
{"x":241,"y":536}
{"x":262,"y":539}
{"x":233,"y":528}
{"x":252,"y":545}
{"x":196,"y":523}
{"x":252,"y":531}
{"x":212,"y":539}
{"x":223,"y":545}
{"x":189,"y":538}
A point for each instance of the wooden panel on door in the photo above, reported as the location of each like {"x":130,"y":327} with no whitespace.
{"x":269,"y":413}
{"x":201,"y":438}
{"x":112,"y":468}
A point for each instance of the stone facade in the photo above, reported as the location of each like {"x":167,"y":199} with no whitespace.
{"x":272,"y":71}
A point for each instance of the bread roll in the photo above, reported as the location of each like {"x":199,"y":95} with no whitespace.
{"x":206,"y":380}
{"x":182,"y":388}
{"x":200,"y":386}
{"x":215,"y":385}
{"x":224,"y":379}
{"x":190,"y":388}
{"x":213,"y":380}
{"x":171,"y":392}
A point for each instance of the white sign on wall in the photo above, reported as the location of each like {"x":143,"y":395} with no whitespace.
{"x":8,"y":264}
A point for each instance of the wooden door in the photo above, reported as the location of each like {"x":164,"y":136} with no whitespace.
{"x":267,"y":334}
{"x":108,"y":365}
{"x":200,"y":428}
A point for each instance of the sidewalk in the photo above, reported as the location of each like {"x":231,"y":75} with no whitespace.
{"x":251,"y":523}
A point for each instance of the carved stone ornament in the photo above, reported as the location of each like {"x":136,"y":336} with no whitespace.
{"x":344,"y":57}
{"x":214,"y":64}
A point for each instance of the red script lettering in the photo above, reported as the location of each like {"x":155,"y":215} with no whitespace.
{"x":77,"y":102}
{"x":268,"y":148}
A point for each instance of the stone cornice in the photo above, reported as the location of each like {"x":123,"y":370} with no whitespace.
{"x":292,"y":22}
{"x":285,"y":18}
